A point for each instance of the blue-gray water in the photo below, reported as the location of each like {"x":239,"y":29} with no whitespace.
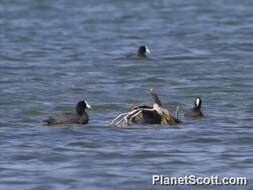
{"x":54,"y":53}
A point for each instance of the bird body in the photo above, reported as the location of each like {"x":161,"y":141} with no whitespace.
{"x":195,"y":112}
{"x":80,"y":117}
{"x":143,"y":52}
{"x":146,"y":115}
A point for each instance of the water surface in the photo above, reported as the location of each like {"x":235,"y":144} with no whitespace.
{"x":54,"y":53}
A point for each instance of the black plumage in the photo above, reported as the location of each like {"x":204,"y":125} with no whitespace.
{"x":196,"y":110}
{"x":80,"y":117}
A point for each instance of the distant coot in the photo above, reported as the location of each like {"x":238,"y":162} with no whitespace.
{"x":80,"y":117}
{"x":143,"y":52}
{"x":196,"y":110}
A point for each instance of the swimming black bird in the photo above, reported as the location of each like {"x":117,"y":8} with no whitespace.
{"x":143,"y":52}
{"x":196,"y":110}
{"x":80,"y":117}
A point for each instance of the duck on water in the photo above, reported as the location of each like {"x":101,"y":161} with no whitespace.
{"x":155,"y":114}
{"x":195,"y":112}
{"x":143,"y":52}
{"x":80,"y":117}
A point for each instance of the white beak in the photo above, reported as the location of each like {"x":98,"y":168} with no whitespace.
{"x":197,"y":101}
{"x":87,"y":105}
{"x":147,"y":50}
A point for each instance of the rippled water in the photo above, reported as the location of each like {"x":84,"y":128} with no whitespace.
{"x":54,"y":53}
